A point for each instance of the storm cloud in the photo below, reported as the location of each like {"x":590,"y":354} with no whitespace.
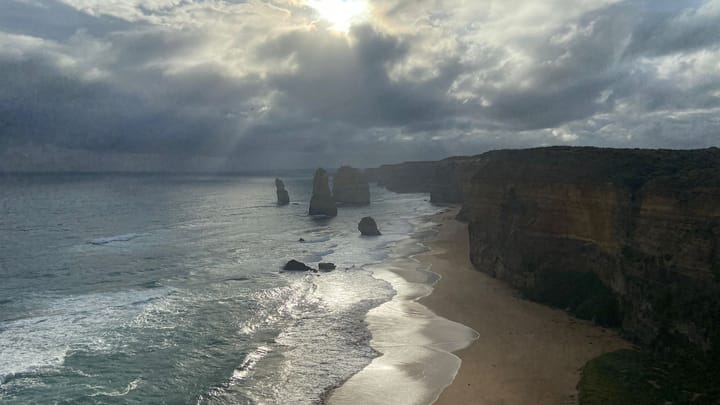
{"x":250,"y":85}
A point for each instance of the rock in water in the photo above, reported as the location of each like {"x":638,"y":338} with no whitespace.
{"x":368,"y":227}
{"x":322,"y":202}
{"x":327,"y":266}
{"x":283,"y":198}
{"x":294,"y":265}
{"x":350,"y":186}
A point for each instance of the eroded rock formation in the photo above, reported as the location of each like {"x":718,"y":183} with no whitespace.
{"x":322,"y":202}
{"x":283,"y":198}
{"x":294,"y":265}
{"x":350,"y":186}
{"x":368,"y":227}
{"x":326,"y":266}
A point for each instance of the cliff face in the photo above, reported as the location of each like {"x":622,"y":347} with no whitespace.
{"x":444,"y":179}
{"x":621,"y":236}
{"x":408,"y":177}
{"x":624,"y":237}
{"x":350,"y":186}
{"x":449,"y":179}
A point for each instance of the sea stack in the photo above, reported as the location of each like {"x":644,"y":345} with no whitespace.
{"x":283,"y":198}
{"x":368,"y":227}
{"x":322,"y":203}
{"x":350,"y":186}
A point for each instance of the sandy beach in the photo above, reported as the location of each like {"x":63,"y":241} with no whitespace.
{"x":526,"y":353}
{"x":416,"y":345}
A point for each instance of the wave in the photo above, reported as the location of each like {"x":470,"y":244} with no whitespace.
{"x":130,"y":387}
{"x":400,"y":330}
{"x":249,"y":363}
{"x":60,"y":326}
{"x":278,"y":303}
{"x":112,"y":239}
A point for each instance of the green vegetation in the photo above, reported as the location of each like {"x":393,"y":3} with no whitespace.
{"x":581,"y":293}
{"x":640,"y":378}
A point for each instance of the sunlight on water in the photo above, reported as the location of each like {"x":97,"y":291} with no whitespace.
{"x":172,"y":291}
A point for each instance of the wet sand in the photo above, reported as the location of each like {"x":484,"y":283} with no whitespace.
{"x":526,"y":353}
{"x":417,"y":362}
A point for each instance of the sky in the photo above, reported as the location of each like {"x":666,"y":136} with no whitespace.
{"x":276,"y":84}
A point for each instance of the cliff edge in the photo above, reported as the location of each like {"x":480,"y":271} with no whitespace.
{"x":625,"y":237}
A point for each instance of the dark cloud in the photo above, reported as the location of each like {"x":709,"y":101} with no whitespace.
{"x":669,"y":27}
{"x":54,"y":20}
{"x":340,"y":81}
{"x":267,"y":84}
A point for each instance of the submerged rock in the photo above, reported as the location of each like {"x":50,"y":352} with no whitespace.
{"x":350,"y":186}
{"x":327,"y":266}
{"x":283,"y":198}
{"x":368,"y":227}
{"x":294,"y":265}
{"x":322,"y":202}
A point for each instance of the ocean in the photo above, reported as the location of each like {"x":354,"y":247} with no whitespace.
{"x":142,"y":288}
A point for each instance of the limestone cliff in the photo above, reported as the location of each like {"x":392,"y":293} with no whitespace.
{"x":350,"y":187}
{"x":444,"y":179}
{"x":625,"y":237}
{"x":645,"y":224}
{"x":449,"y":179}
{"x":408,"y":177}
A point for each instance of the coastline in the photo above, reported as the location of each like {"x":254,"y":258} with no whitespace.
{"x":454,"y":335}
{"x":526,"y":353}
{"x":415,"y":345}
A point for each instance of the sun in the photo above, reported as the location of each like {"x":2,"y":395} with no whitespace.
{"x":341,"y":14}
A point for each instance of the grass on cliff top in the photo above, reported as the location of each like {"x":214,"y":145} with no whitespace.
{"x":630,"y":377}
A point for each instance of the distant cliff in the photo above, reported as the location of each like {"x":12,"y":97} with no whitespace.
{"x":408,"y":177}
{"x":624,"y":237}
{"x":443,"y":179}
{"x":350,"y":186}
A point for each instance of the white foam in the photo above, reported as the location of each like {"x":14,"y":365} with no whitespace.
{"x":280,"y":303}
{"x":132,"y":385}
{"x":249,"y":363}
{"x":59,"y":326}
{"x":416,"y":345}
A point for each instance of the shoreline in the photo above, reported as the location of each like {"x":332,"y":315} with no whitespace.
{"x":527,"y":353}
{"x":415,"y":345}
{"x":454,"y":335}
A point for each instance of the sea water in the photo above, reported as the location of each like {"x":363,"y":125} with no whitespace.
{"x":167,"y":289}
